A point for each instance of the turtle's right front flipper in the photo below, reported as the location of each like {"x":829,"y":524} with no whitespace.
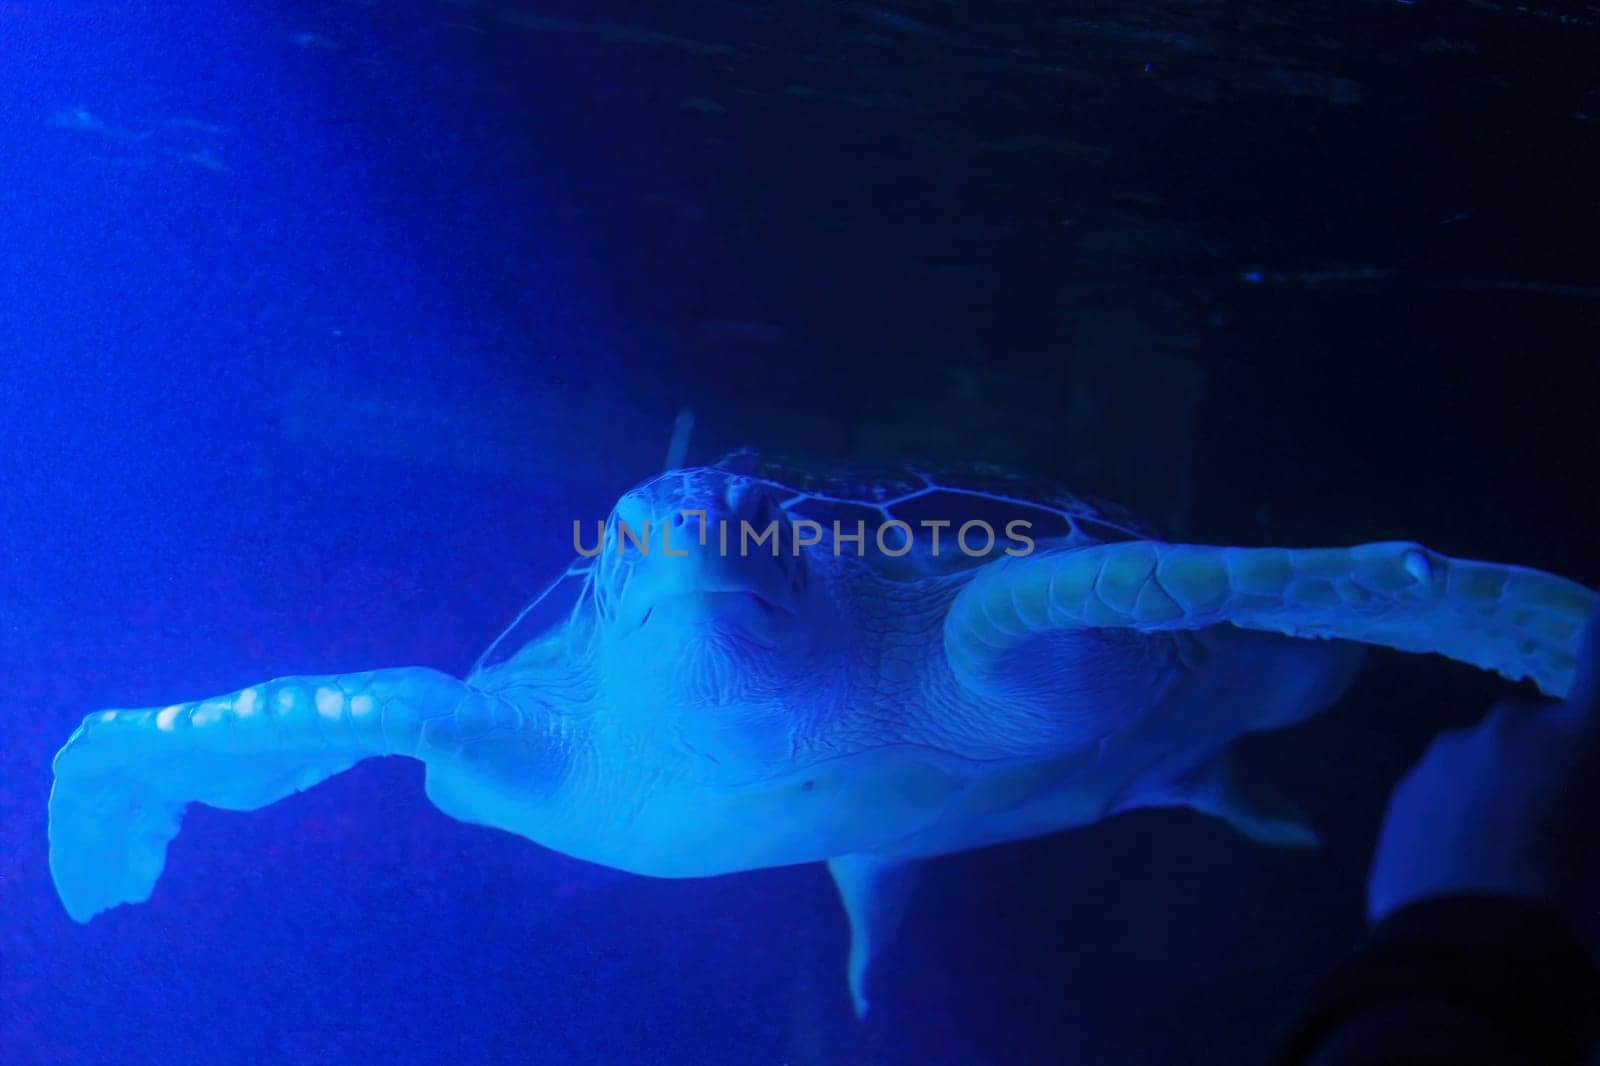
{"x":124,"y":777}
{"x":1519,"y":622}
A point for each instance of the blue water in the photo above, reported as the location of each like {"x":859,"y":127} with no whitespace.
{"x":318,"y":324}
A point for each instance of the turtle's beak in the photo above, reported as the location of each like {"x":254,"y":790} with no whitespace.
{"x":757,"y":590}
{"x":730,"y":561}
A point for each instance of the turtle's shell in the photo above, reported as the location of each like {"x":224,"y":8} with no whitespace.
{"x":921,"y":493}
{"x":829,"y":492}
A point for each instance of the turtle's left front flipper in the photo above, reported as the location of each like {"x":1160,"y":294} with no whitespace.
{"x":124,"y":777}
{"x":1519,"y":622}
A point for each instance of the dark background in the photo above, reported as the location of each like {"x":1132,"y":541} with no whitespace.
{"x":319,"y":323}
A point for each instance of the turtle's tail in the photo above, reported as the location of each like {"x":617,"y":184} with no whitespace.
{"x":124,"y":777}
{"x":1518,"y":622}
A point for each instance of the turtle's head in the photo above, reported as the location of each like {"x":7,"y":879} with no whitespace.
{"x":702,"y":547}
{"x":712,"y":617}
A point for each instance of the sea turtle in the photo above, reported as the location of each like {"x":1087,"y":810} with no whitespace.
{"x":689,"y":700}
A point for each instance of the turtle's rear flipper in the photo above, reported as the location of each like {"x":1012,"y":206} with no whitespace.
{"x":124,"y":777}
{"x":1220,"y":789}
{"x":875,"y":892}
{"x":1518,"y":622}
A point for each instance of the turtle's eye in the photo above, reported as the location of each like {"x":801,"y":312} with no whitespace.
{"x":621,"y":549}
{"x":628,"y":540}
{"x":608,"y":586}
